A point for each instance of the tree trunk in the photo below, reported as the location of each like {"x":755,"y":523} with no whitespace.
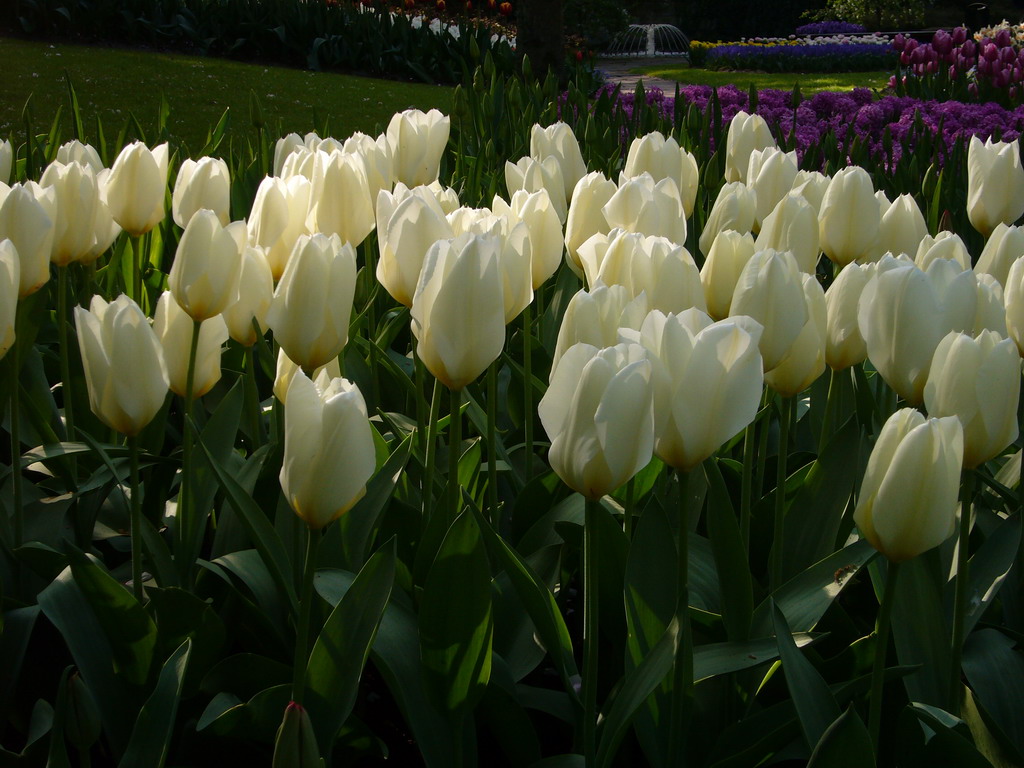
{"x":539,"y":35}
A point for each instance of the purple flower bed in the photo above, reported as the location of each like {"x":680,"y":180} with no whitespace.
{"x":953,"y":65}
{"x":830,"y":28}
{"x":800,"y":57}
{"x":856,"y":111}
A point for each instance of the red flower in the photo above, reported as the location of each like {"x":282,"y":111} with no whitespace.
{"x":579,"y":55}
{"x":440,"y":5}
{"x":505,"y":9}
{"x":491,"y":4}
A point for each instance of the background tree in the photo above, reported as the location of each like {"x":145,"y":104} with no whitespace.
{"x":540,"y":35}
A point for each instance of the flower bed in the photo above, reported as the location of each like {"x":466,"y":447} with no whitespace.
{"x":751,"y":53}
{"x":278,"y":562}
{"x":987,"y":67}
{"x":801,"y":57}
{"x":887,"y":127}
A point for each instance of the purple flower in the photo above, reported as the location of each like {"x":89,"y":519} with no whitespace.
{"x":839,"y":117}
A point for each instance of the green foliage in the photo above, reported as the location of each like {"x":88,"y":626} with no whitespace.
{"x":873,"y":14}
{"x":594,"y":22}
{"x":316,"y":35}
{"x":734,"y":19}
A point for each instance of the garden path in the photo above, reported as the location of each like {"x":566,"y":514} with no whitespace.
{"x":617,"y":70}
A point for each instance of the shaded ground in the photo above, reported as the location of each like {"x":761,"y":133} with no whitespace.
{"x":198,"y":90}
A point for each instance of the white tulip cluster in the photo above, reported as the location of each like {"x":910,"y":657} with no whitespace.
{"x":662,"y":355}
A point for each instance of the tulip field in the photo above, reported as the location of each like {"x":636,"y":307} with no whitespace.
{"x":544,"y":430}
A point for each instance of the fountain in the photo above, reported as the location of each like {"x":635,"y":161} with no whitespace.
{"x":639,"y":40}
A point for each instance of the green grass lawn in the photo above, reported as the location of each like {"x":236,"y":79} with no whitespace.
{"x":113,"y":83}
{"x":809,"y":83}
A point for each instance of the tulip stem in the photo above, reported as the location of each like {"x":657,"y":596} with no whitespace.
{"x":305,"y":607}
{"x":252,"y":397}
{"x":136,"y":241}
{"x":829,"y":417}
{"x":431,"y":458}
{"x":628,"y":508}
{"x":962,"y":587}
{"x":185,"y":511}
{"x":369,"y":249}
{"x":492,"y":457}
{"x":528,"y":391}
{"x":15,"y":384}
{"x":277,"y":418}
{"x":1020,"y":478}
{"x":136,"y":517}
{"x":882,"y":625}
{"x":762,"y":449}
{"x":419,"y":381}
{"x":590,"y":607}
{"x":682,"y":685}
{"x":747,"y":482}
{"x":63,"y":321}
{"x":785,"y":416}
{"x":454,"y":445}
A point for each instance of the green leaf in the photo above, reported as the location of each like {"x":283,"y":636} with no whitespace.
{"x":251,"y":570}
{"x":359,"y":526}
{"x":66,"y":607}
{"x":543,"y":534}
{"x":181,"y":615}
{"x":561,"y":761}
{"x":130,"y":630}
{"x":218,"y":440}
{"x":396,"y":655}
{"x":456,"y":622}
{"x":730,"y":556}
{"x":637,"y":686}
{"x":650,"y":593}
{"x":220,"y":705}
{"x":919,"y":628}
{"x":151,"y":738}
{"x":339,"y":654}
{"x":846,"y":743}
{"x":17,"y":625}
{"x":926,"y":741}
{"x":715,"y":659}
{"x":515,"y":635}
{"x":260,"y":529}
{"x":815,"y":705}
{"x":539,"y":603}
{"x":812,"y":522}
{"x":989,"y":568}
{"x":216,"y":136}
{"x":612,"y":551}
{"x":245,"y":675}
{"x":503,"y":715}
{"x":158,"y":554}
{"x":58,"y":755}
{"x":256,"y":719}
{"x":805,"y":598}
{"x":996,"y":674}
